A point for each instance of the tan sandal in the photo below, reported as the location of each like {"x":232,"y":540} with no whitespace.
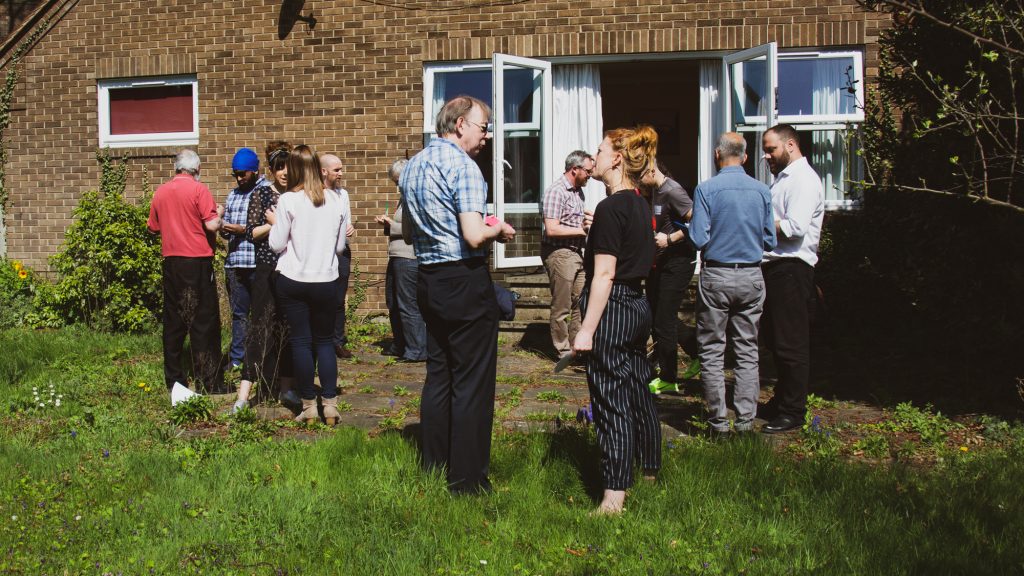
{"x":309,"y":413}
{"x":331,"y":414}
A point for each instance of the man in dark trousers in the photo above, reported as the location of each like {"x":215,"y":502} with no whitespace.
{"x":732,"y":225}
{"x":799,"y":203}
{"x":184,"y":214}
{"x":445,"y":196}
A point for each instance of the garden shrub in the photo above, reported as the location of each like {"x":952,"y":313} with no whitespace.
{"x":109,"y":264}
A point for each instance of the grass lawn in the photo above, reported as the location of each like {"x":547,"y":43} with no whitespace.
{"x":105,"y":484}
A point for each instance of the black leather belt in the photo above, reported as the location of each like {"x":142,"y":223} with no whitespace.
{"x":716,"y":264}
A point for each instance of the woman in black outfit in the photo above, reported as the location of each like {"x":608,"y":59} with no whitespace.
{"x":616,"y":316}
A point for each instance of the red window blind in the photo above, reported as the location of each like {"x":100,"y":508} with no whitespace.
{"x":151,"y":110}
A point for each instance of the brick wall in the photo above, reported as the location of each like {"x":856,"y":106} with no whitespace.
{"x":351,"y":86}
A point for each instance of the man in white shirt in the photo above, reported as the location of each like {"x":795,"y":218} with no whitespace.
{"x":331,"y":170}
{"x":798,"y":201}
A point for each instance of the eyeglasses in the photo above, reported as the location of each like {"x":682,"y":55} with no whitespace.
{"x":482,"y":127}
{"x":589,"y":172}
{"x":241,"y":173}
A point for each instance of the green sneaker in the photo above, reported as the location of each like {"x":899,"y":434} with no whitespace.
{"x":693,"y":370}
{"x":658,"y":386}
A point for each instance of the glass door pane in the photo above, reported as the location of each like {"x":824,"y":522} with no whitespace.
{"x":521,"y":150}
{"x":751,"y":90}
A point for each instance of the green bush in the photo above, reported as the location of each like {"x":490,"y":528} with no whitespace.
{"x":109,"y":265}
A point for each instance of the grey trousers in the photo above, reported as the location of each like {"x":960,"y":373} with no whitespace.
{"x":731,"y":301}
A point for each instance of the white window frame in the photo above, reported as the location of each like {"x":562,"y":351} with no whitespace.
{"x":429,"y":69}
{"x":858,"y":76}
{"x":108,"y":140}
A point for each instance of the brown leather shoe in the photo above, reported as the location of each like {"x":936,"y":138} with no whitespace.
{"x":342,"y":352}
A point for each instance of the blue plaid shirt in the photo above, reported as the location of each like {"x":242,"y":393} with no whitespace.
{"x":241,"y":252}
{"x":437,"y":185}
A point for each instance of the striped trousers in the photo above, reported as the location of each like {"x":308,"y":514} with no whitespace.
{"x":617,"y":375}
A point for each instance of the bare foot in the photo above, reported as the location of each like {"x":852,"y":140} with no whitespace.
{"x":612,"y":504}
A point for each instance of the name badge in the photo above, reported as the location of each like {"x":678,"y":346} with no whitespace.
{"x":657,"y":209}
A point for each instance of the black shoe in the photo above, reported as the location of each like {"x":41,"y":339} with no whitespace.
{"x":404,"y":360}
{"x":391,"y":352}
{"x":291,"y":400}
{"x":783,"y":423}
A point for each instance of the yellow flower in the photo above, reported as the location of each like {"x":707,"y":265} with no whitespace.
{"x":22,"y":273}
{"x":17,"y":265}
{"x":142,"y":384}
{"x":963,"y":448}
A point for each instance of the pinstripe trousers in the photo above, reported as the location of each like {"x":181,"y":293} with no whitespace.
{"x":617,"y":375}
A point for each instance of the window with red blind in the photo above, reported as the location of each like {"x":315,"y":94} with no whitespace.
{"x":156,"y":111}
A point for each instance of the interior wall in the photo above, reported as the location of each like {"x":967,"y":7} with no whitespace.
{"x":664,"y":94}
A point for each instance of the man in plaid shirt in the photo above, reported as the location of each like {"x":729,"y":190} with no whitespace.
{"x":445,"y":196}
{"x":562,"y":247}
{"x":241,"y":261}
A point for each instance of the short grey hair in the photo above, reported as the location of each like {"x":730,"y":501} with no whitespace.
{"x":731,"y":145}
{"x":395,"y":170}
{"x":456,"y":108}
{"x":576,"y":158}
{"x":187,"y":162}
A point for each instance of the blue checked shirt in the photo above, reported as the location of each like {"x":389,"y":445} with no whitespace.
{"x":437,"y":185}
{"x":241,"y":252}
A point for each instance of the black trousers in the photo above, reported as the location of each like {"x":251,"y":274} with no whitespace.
{"x":267,"y":354}
{"x":191,"y":308}
{"x":617,"y":374}
{"x":457,"y":408}
{"x":666,"y":286}
{"x":786,"y":326}
{"x":344,"y":271}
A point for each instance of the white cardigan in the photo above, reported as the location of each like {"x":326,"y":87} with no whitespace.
{"x":309,"y":238}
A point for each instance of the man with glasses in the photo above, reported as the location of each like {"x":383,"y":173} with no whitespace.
{"x":445,"y":196}
{"x":565,"y":234}
{"x":240,"y":264}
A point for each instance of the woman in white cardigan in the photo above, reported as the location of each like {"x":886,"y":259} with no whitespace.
{"x":308,"y":232}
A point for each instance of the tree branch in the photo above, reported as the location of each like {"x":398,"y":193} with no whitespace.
{"x":914,"y":8}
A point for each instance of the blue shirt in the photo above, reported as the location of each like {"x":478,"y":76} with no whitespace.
{"x":437,"y":185}
{"x":732,"y":218}
{"x":241,"y":252}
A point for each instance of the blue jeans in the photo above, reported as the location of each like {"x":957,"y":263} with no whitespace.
{"x":310,"y":333}
{"x":406,"y":322}
{"x":239,"y":286}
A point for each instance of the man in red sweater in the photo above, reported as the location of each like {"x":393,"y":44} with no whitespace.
{"x":184,"y":214}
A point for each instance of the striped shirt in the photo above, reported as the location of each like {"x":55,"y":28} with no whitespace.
{"x":564,"y":202}
{"x":241,"y":252}
{"x":437,"y":185}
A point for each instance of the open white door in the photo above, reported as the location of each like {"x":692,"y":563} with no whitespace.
{"x":751,"y":86}
{"x":522,"y":153}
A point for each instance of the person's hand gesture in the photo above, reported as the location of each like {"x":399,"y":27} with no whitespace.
{"x":270,"y":216}
{"x":584,"y":341}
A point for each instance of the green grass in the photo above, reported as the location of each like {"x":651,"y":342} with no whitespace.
{"x":105,"y":484}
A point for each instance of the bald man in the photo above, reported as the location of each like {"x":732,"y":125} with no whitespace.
{"x":331,"y":170}
{"x":733,"y":226}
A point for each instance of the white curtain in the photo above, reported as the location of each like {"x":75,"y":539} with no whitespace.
{"x":828,"y":157}
{"x":578,"y":120}
{"x":712,"y":117}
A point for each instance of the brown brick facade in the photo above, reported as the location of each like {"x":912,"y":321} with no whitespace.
{"x":351,"y":86}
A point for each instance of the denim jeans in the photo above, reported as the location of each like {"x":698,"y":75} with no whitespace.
{"x":310,"y":333}
{"x":407,"y":325}
{"x":239,"y":286}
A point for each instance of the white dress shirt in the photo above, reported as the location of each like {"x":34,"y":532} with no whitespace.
{"x":798,"y":201}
